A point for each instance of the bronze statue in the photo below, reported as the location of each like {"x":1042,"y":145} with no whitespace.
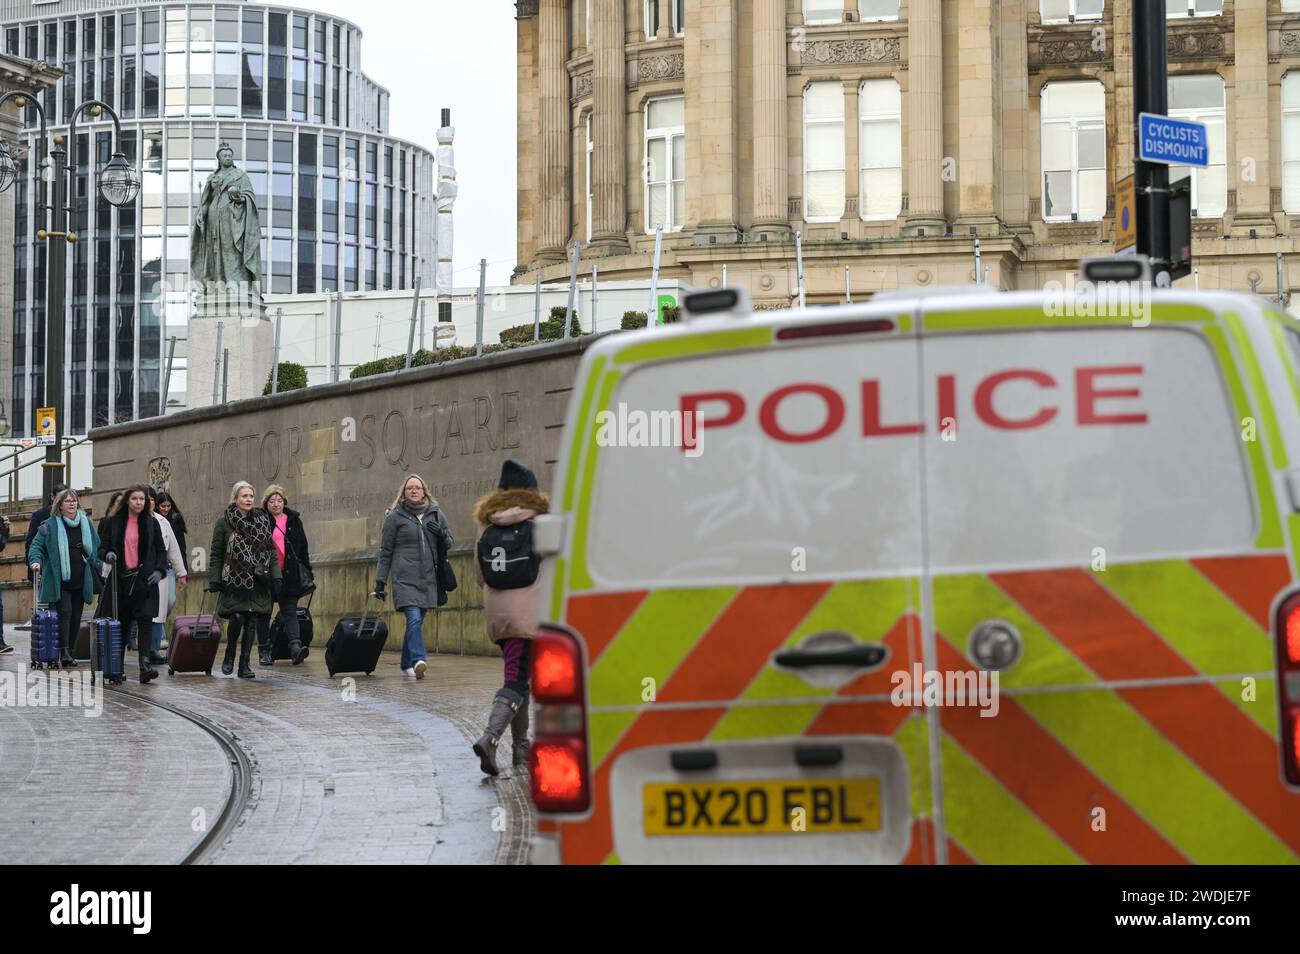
{"x":226,"y":242}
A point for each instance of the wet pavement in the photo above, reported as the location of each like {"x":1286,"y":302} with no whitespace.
{"x":363,"y":769}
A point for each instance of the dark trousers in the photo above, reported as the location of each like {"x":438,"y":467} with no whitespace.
{"x":71,"y":606}
{"x":518,"y":655}
{"x":133,"y":609}
{"x":247,"y":624}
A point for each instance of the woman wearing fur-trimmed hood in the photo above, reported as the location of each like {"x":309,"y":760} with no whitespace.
{"x":511,"y":615}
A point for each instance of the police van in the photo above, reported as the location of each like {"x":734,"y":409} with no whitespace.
{"x":968,"y":577}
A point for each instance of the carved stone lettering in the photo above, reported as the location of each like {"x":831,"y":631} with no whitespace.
{"x":396,"y":440}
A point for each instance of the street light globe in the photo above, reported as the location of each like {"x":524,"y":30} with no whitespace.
{"x":119,"y":183}
{"x":8,"y":173}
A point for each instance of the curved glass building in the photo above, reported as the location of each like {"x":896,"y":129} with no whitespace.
{"x":343,"y":205}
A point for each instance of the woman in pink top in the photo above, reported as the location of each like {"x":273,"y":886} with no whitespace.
{"x":294,"y":557}
{"x":133,"y":544}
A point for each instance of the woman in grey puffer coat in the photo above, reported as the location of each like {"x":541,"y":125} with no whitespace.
{"x":414,"y":529}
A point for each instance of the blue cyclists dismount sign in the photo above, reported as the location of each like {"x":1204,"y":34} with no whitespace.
{"x":1172,"y":141}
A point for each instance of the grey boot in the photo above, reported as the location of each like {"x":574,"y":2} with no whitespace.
{"x":519,"y":736}
{"x":504,"y":706}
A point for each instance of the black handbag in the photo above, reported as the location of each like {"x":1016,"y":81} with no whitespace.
{"x":446,"y":575}
{"x":306,"y":580}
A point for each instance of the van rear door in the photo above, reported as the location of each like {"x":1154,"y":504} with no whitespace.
{"x":743,"y":606}
{"x":1103,"y":537}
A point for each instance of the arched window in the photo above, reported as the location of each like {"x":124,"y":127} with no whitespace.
{"x":1200,"y":97}
{"x":1074,"y":151}
{"x":880,"y":150}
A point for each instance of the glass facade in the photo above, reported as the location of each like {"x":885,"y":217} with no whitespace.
{"x":284,"y":88}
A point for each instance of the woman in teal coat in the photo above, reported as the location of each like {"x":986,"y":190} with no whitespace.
{"x":66,"y":552}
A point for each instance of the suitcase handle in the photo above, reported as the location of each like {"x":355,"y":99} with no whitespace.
{"x":365,"y":611}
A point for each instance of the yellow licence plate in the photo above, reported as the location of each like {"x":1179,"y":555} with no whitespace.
{"x":761,"y":807}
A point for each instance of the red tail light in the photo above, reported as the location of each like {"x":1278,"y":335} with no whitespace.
{"x":560,"y":778}
{"x":795,"y":332}
{"x":1288,"y":684}
{"x":557,"y":668}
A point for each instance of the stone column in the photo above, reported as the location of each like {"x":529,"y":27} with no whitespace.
{"x":771,"y":206}
{"x":852,"y":153}
{"x":608,"y":128}
{"x":553,"y":83}
{"x":925,"y":118}
{"x":710,"y":53}
{"x":1250,"y":113}
{"x":1013,"y":182}
{"x":528,"y":132}
{"x":977,"y":100}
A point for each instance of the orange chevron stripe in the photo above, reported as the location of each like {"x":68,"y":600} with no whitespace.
{"x":589,"y":842}
{"x":957,"y":855}
{"x":881,"y":680}
{"x":1251,"y":582}
{"x":921,"y":850}
{"x":740,"y":642}
{"x":1223,"y":741}
{"x":599,"y":618}
{"x":1050,"y":780}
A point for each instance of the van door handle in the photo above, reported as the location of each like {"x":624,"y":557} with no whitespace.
{"x":859,"y":657}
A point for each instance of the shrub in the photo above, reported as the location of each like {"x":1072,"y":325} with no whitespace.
{"x":424,"y":357}
{"x":292,"y":377}
{"x":636,"y":319}
{"x":552,"y":329}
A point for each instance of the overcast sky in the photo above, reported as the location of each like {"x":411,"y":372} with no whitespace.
{"x":459,"y":54}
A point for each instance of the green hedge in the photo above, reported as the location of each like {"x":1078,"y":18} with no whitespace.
{"x":552,"y":329}
{"x":292,"y":377}
{"x":422,"y":357}
{"x":636,"y":319}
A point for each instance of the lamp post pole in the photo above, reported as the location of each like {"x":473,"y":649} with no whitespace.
{"x":119,"y":184}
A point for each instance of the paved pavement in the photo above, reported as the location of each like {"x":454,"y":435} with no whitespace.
{"x":364,"y":769}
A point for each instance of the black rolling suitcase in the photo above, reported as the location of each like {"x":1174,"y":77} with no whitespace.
{"x":356,"y":643}
{"x":279,"y":636}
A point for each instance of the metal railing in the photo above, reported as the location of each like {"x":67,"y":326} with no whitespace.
{"x":18,"y":449}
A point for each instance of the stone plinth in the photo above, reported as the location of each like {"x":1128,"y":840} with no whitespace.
{"x":251,"y":342}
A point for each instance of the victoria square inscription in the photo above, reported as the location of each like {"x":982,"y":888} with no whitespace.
{"x":342,"y":450}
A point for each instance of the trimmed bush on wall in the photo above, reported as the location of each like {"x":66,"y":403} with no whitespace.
{"x":292,"y":377}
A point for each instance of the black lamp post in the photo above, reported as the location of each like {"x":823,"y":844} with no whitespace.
{"x":119,"y":183}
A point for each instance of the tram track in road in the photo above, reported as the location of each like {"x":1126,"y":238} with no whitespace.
{"x":241,"y":775}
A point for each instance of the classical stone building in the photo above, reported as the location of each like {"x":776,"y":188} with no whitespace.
{"x":890,"y":135}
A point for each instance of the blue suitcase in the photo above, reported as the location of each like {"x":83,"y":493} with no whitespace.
{"x":45,"y":632}
{"x":45,"y":639}
{"x":106,"y":640}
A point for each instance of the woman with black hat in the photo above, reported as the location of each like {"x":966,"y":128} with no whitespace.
{"x":509,"y":573}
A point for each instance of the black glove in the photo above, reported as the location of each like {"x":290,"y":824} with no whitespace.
{"x":276,"y":587}
{"x":153,"y":579}
{"x":380,"y":587}
{"x":216,"y":586}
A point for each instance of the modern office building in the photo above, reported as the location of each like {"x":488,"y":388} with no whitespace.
{"x":892,"y":136}
{"x":343,"y":204}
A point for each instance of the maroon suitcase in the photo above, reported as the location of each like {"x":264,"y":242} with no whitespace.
{"x":194,"y":642}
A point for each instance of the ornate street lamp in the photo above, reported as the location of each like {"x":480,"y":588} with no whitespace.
{"x":8,"y":174}
{"x":119,"y":183}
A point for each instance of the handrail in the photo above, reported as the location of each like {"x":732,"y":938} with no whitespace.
{"x":40,"y":460}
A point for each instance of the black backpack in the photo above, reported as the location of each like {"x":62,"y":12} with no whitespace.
{"x":506,"y":557}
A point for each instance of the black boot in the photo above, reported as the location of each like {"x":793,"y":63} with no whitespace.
{"x":504,"y":706}
{"x":298,"y":652}
{"x":264,"y":649}
{"x":246,"y":650}
{"x":147,"y":672}
{"x":228,"y":664}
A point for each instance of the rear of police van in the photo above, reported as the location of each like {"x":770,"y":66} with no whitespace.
{"x":919,"y":581}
